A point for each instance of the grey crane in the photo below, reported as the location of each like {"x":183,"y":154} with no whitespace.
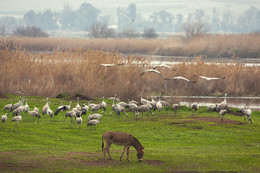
{"x":110,"y":65}
{"x":70,"y":114}
{"x":49,"y":112}
{"x":211,"y":78}
{"x":78,"y":107}
{"x":84,"y":109}
{"x":8,"y":106}
{"x":35,"y":114}
{"x":103,"y":104}
{"x":95,"y":108}
{"x":247,"y":113}
{"x":222,"y":112}
{"x":79,"y":120}
{"x":17,"y":119}
{"x":144,"y":108}
{"x":26,"y":107}
{"x":162,"y":66}
{"x":195,"y":106}
{"x":159,"y":105}
{"x":117,"y":109}
{"x":36,"y":109}
{"x":45,"y":107}
{"x":175,"y":107}
{"x":18,"y":110}
{"x":95,"y":116}
{"x":16,"y":105}
{"x":222,"y":105}
{"x":62,"y":108}
{"x":3,"y":119}
{"x":151,"y":71}
{"x":93,"y":123}
{"x":180,"y":78}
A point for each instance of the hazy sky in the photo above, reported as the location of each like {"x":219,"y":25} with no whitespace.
{"x":146,"y":7}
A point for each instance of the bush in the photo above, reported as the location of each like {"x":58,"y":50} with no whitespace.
{"x":129,"y":33}
{"x":100,"y":30}
{"x":29,"y":31}
{"x":150,"y":33}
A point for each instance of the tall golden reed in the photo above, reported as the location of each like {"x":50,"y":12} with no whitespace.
{"x":78,"y":71}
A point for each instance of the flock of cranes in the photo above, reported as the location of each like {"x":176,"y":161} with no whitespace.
{"x":146,"y":106}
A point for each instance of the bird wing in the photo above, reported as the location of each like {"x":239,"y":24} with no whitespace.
{"x":209,"y":78}
{"x":151,"y":70}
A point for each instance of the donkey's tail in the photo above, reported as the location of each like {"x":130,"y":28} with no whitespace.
{"x":102,"y":143}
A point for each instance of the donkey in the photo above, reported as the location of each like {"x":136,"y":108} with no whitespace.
{"x":122,"y":138}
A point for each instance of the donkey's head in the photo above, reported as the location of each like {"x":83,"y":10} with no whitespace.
{"x":140,"y":154}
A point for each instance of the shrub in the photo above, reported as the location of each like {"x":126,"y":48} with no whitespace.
{"x":150,"y":33}
{"x":29,"y":31}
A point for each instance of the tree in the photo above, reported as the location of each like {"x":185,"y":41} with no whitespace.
{"x":195,"y":29}
{"x":87,"y":15}
{"x":100,"y":30}
{"x":30,"y":31}
{"x":161,"y":21}
{"x":150,"y":33}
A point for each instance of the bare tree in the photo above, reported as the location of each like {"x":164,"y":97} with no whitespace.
{"x":195,"y":29}
{"x":2,"y":30}
{"x":100,"y":30}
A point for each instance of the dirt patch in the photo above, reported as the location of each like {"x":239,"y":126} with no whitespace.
{"x":3,"y":96}
{"x":6,"y":153}
{"x":154,"y":162}
{"x":217,"y":120}
{"x":183,"y":122}
{"x":82,"y":154}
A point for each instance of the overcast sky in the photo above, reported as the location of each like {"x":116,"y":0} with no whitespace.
{"x":145,"y":7}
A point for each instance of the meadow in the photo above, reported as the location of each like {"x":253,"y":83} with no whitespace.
{"x":186,"y":142}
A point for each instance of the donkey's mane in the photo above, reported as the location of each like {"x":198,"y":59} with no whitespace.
{"x":138,"y":142}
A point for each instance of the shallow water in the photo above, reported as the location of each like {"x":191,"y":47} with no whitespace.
{"x":234,"y":102}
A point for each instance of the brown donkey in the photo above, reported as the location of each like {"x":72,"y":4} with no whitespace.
{"x":121,"y":138}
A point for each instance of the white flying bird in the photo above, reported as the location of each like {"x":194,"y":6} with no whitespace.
{"x":151,"y":70}
{"x":210,"y":78}
{"x":180,"y":78}
{"x":110,"y":65}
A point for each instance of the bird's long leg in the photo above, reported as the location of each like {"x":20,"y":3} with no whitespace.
{"x":38,"y":120}
{"x":33,"y":120}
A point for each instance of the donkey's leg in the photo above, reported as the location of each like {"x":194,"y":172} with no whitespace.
{"x":127,"y":152}
{"x":108,"y":145}
{"x":122,"y":153}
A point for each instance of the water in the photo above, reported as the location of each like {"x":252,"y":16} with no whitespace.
{"x":233,"y":102}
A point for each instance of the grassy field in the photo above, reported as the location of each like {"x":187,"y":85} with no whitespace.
{"x":187,"y":142}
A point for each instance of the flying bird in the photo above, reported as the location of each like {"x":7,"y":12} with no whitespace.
{"x":110,"y":65}
{"x":210,"y":78}
{"x":180,"y":78}
{"x":151,"y":70}
{"x":162,"y":66}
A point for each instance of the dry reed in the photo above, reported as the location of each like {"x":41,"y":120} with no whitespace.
{"x":77,"y":71}
{"x":242,"y":45}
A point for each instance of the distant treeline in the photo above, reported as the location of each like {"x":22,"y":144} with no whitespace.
{"x":129,"y":19}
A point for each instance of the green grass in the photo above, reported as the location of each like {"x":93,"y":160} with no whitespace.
{"x":172,"y":143}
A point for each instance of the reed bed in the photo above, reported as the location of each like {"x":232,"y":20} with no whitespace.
{"x":242,"y":45}
{"x":78,"y":71}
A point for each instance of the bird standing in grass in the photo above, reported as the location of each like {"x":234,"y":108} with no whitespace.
{"x":79,"y":120}
{"x":8,"y":106}
{"x":17,"y":119}
{"x":70,"y":114}
{"x":45,"y":107}
{"x":35,"y":114}
{"x":93,"y":123}
{"x":3,"y":119}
